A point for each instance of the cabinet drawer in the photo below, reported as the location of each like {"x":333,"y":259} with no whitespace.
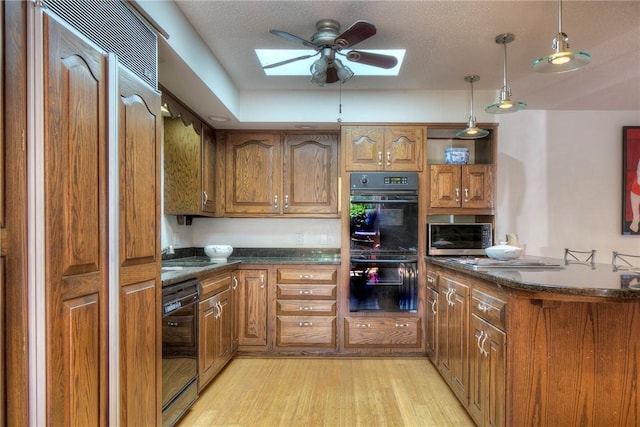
{"x":306,"y":308}
{"x":306,"y":275}
{"x":213,"y":284}
{"x":488,"y":307}
{"x":386,"y":332}
{"x":313,"y":331}
{"x":299,"y":291}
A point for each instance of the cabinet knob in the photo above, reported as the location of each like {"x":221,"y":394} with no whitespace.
{"x":275,"y":203}
{"x":286,"y":201}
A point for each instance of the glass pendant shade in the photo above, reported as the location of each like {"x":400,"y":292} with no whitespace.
{"x":472,"y":131}
{"x":562,"y":60}
{"x":505,"y":104}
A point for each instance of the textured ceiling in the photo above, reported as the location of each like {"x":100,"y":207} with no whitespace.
{"x":445,"y":40}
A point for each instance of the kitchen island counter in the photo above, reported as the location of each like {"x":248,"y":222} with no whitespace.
{"x":559,"y":281}
{"x":539,"y":345}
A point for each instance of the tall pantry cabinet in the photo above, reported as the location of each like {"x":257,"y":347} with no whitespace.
{"x":93,"y":151}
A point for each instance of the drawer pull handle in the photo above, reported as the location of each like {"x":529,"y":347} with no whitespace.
{"x":306,"y":276}
{"x":262,"y":281}
{"x":363,"y":325}
{"x":388,"y":158}
{"x":305,"y":324}
{"x":379,"y":158}
{"x":172,"y":323}
{"x":430,"y":280}
{"x":402,"y":325}
{"x":483,"y":307}
{"x":306,"y":292}
{"x":305,"y":308}
{"x":433,"y":307}
{"x":235,"y":283}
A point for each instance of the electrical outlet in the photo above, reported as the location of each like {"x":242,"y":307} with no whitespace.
{"x":299,"y":239}
{"x":324,"y":239}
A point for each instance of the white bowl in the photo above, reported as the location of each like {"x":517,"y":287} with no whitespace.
{"x":456,"y":156}
{"x":218,"y":253}
{"x":503,"y":252}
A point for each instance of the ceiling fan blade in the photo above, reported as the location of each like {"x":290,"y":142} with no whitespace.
{"x":288,"y":61}
{"x":293,"y":38}
{"x":373,"y":59}
{"x":358,"y":31}
{"x":332,"y":75}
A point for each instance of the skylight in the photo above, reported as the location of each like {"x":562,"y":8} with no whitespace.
{"x":301,"y":68}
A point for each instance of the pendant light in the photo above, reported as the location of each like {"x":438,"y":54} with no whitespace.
{"x":472,"y":131}
{"x":562,"y":59}
{"x":505,"y":104}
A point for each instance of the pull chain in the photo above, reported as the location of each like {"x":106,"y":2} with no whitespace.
{"x":340,"y":103}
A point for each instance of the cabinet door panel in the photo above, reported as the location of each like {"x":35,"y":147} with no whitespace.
{"x":75,"y":175}
{"x":363,"y":148}
{"x":310,"y":174}
{"x":252,"y":321}
{"x":139,"y":240}
{"x":476,"y":184}
{"x":182,"y":175}
{"x":254,"y":174}
{"x":445,"y":186}
{"x":208,"y":170}
{"x":403,"y":148}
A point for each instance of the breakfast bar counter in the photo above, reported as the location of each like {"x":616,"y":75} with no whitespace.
{"x":541,"y":345}
{"x":551,"y":278}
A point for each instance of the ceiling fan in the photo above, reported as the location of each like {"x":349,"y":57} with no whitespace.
{"x":329,"y":42}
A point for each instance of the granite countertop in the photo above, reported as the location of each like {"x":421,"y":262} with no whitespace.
{"x":585,"y":280}
{"x":186,"y":264}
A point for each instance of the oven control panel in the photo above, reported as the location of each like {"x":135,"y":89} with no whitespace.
{"x":384,"y":181}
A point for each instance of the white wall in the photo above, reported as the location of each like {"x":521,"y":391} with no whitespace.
{"x":559,"y":181}
{"x":559,"y":185}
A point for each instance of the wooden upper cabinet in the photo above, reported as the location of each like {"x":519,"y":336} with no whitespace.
{"x":461,"y":186}
{"x":389,"y":148}
{"x":254,"y":174}
{"x":273,"y":174}
{"x":189,"y":164}
{"x":310,"y":174}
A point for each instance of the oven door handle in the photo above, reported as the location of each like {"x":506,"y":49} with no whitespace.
{"x":384,"y":261}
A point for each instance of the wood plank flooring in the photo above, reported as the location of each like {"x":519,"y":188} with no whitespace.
{"x":329,"y":392}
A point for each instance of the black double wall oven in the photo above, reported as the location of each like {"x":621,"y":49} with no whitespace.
{"x":383,"y":212}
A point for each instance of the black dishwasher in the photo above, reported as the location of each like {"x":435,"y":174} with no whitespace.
{"x":179,"y":349}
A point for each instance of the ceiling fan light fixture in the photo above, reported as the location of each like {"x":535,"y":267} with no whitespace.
{"x":505,"y":104}
{"x":562,"y":60}
{"x":472,"y":131}
{"x":319,"y":71}
{"x":344,"y":72}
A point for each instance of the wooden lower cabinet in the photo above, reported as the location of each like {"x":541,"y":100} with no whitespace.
{"x":306,"y":306}
{"x":486,"y":376}
{"x":388,"y":332}
{"x":453,"y":332}
{"x":252,"y":291}
{"x":215,"y":326}
{"x":431,"y":316}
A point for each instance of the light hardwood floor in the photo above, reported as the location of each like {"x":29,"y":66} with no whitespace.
{"x":327,"y":392}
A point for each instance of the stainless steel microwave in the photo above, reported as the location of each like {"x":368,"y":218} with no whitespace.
{"x":458,"y":238}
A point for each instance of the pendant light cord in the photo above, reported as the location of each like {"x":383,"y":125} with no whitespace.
{"x":560,"y":17}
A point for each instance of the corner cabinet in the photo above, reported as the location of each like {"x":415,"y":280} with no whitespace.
{"x":189,"y":163}
{"x":383,"y":148}
{"x":281,"y":174}
{"x":252,"y":293}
